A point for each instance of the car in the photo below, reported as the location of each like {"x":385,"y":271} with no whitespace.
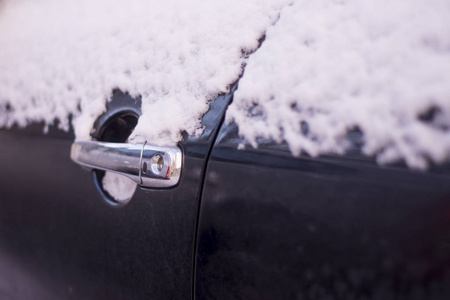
{"x":215,"y":215}
{"x":254,"y":223}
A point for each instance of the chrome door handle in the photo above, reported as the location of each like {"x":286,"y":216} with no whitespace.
{"x":148,"y":166}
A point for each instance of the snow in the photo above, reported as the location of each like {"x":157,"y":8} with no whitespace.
{"x":330,"y":66}
{"x":61,"y":58}
{"x":382,"y":67}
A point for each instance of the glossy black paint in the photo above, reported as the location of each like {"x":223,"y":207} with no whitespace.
{"x":60,"y":240}
{"x":334,"y":227}
{"x":271,"y":226}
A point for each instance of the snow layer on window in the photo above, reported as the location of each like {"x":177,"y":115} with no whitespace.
{"x":61,"y":58}
{"x":329,"y":67}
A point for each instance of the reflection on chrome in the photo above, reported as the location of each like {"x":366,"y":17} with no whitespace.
{"x":147,"y":165}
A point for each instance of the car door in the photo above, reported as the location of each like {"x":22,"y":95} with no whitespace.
{"x":60,"y":239}
{"x":274,"y":226}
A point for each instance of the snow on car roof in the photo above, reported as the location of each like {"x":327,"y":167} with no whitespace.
{"x":326,"y":68}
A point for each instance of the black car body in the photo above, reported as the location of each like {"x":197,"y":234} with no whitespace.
{"x":241,"y":224}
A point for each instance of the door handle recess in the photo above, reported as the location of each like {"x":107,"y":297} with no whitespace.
{"x":147,"y":165}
